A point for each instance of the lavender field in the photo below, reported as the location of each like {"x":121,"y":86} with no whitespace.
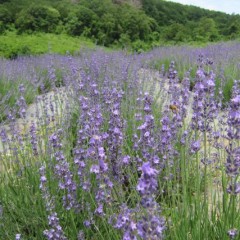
{"x":108,"y":145}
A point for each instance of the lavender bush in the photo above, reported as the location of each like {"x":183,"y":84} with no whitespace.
{"x":112,"y":149}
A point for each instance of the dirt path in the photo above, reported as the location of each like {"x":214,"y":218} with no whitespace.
{"x":47,"y":107}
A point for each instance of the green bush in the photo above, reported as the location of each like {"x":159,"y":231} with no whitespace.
{"x":19,"y":51}
{"x":13,"y":45}
{"x":38,"y":18}
{"x":80,"y":20}
{"x":5,"y":15}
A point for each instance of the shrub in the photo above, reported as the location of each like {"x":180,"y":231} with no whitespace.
{"x":38,"y":18}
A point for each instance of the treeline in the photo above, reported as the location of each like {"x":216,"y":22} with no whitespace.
{"x":179,"y":22}
{"x":136,"y":23}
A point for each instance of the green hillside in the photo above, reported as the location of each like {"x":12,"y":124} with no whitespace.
{"x":134,"y":24}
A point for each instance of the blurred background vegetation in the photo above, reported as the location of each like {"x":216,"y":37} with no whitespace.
{"x":137,"y":25}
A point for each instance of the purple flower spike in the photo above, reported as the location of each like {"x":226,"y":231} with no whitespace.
{"x":232,"y":233}
{"x":126,"y":223}
{"x":195,"y":146}
{"x":234,"y":189}
{"x":55,"y":232}
{"x":63,"y":173}
{"x":148,"y":171}
{"x":151,"y":226}
{"x":18,"y":236}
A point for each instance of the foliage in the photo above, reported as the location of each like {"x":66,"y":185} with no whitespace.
{"x":109,"y":22}
{"x":167,"y":13}
{"x":38,"y":18}
{"x":206,"y":30}
{"x":13,"y":45}
{"x":82,"y":22}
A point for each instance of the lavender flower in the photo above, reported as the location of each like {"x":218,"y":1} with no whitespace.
{"x":234,"y":188}
{"x":115,"y":132}
{"x":146,"y":144}
{"x":183,"y":138}
{"x":52,"y":75}
{"x":22,"y":102}
{"x":104,"y":186}
{"x":18,"y":236}
{"x":233,"y":133}
{"x":126,"y":222}
{"x":21,"y":89}
{"x":33,"y":138}
{"x":234,"y":117}
{"x":172,"y":73}
{"x":55,"y":232}
{"x":232,"y":233}
{"x":233,"y":161}
{"x":195,"y":147}
{"x":62,"y":171}
{"x":80,"y":235}
{"x":3,"y":135}
{"x":151,"y":226}
{"x":147,"y":184}
{"x":204,"y":105}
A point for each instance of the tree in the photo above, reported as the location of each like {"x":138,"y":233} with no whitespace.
{"x":80,"y":20}
{"x":176,"y":32}
{"x":107,"y":29}
{"x":233,"y":29}
{"x":206,"y":30}
{"x":5,"y":15}
{"x":38,"y":18}
{"x":136,"y":23}
{"x":4,"y":1}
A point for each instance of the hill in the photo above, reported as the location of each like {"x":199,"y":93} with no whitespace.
{"x":138,"y":24}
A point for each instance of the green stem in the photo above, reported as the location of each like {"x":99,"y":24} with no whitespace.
{"x":205,"y":169}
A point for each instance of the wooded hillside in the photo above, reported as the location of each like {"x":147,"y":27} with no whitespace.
{"x":136,"y":23}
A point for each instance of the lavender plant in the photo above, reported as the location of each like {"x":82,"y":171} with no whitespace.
{"x":117,"y":151}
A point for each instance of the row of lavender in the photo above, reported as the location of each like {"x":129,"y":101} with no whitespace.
{"x":112,"y":165}
{"x":38,"y":73}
